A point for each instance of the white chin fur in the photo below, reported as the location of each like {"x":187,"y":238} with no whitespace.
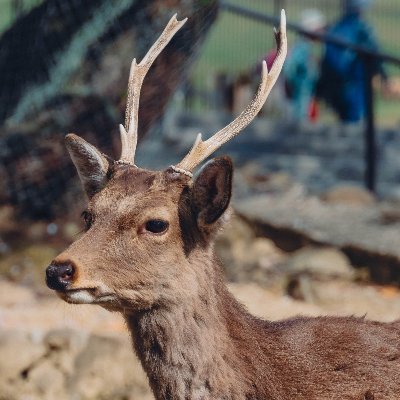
{"x":80,"y":297}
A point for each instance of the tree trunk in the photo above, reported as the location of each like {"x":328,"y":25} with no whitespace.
{"x":64,"y":67}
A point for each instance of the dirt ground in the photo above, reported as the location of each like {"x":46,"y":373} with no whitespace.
{"x":50,"y":349}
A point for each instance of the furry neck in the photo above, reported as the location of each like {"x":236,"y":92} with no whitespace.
{"x":200,"y":347}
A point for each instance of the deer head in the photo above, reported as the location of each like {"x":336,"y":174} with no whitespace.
{"x":148,"y":232}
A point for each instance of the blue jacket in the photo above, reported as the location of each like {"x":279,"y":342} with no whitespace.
{"x":343,"y":71}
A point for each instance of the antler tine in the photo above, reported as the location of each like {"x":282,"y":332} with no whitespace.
{"x":201,"y":150}
{"x":136,"y":77}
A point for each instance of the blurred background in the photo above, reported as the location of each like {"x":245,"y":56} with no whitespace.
{"x":316,"y":222}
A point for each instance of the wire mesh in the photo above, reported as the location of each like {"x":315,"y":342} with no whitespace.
{"x":64,"y":66}
{"x":64,"y":63}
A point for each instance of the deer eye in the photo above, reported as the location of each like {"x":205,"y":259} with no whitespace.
{"x":88,"y":218}
{"x":156,"y":226}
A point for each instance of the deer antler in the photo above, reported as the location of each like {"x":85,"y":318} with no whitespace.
{"x":201,"y":150}
{"x":136,"y":77}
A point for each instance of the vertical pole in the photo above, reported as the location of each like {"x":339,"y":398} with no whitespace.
{"x":370,"y":130}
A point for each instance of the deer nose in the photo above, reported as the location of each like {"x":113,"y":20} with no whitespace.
{"x":59,"y":275}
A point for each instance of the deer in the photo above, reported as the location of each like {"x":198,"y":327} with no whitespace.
{"x":148,"y":253}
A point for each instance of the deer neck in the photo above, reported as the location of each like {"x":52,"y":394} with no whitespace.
{"x":187,"y":349}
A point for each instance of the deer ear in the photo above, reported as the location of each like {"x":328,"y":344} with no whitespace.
{"x":92,"y":166}
{"x":211,"y":190}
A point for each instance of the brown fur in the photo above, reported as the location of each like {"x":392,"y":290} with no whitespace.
{"x":195,"y":341}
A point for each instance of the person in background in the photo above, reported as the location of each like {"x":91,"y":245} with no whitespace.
{"x":301,"y":71}
{"x":342,"y":83}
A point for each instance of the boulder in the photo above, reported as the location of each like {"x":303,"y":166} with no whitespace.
{"x":19,"y":352}
{"x":310,"y":265}
{"x":245,"y":256}
{"x":295,"y":221}
{"x":322,"y":263}
{"x":107,"y":369}
{"x":346,"y":194}
{"x":69,"y":365}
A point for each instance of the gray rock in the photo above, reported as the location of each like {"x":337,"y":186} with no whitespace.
{"x":19,"y":352}
{"x":324,"y":263}
{"x":346,"y":194}
{"x":245,"y":256}
{"x":296,"y":221}
{"x":106,"y":369}
{"x":69,"y":365}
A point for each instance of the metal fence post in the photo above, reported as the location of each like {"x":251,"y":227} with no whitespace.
{"x":370,"y":131}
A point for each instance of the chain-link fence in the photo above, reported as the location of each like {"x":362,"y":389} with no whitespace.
{"x":64,"y":65}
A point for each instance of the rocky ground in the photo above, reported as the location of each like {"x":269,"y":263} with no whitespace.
{"x":302,"y":240}
{"x":50,"y":349}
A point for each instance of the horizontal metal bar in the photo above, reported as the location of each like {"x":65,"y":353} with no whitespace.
{"x":255,"y":15}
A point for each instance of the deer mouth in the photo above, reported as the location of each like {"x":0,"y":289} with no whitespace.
{"x":86,"y":296}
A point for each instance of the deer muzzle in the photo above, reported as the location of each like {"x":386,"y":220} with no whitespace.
{"x":60,"y":275}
